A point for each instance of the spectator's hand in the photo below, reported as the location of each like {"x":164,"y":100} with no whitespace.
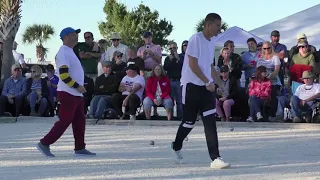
{"x":101,"y":86}
{"x":303,"y":102}
{"x":95,"y":47}
{"x":222,"y":99}
{"x":10,"y":96}
{"x":211,"y":87}
{"x":10,"y":100}
{"x":129,"y":89}
{"x":81,"y":89}
{"x":157,"y":102}
{"x":88,"y":54}
{"x":145,"y":53}
{"x":125,"y":102}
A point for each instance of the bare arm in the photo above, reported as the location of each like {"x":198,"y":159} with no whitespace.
{"x":122,"y":87}
{"x":135,"y":88}
{"x":95,"y":54}
{"x":274,"y":74}
{"x":194,"y":66}
{"x":313,"y":97}
{"x":216,"y":76}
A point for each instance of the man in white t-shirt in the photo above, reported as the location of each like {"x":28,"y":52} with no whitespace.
{"x":70,"y":94}
{"x":131,"y":87}
{"x":18,"y":58}
{"x":304,"y":96}
{"x":198,"y":90}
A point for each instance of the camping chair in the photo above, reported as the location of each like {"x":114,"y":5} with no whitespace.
{"x":315,"y":116}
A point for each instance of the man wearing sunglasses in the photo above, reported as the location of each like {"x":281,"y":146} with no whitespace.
{"x":13,"y":92}
{"x":116,"y":46}
{"x":89,"y":54}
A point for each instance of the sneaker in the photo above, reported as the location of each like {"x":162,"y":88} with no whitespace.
{"x":219,"y":163}
{"x":45,"y":150}
{"x":250,"y":119}
{"x":179,"y":157}
{"x":83,"y":152}
{"x":259,"y":116}
{"x":296,"y":120}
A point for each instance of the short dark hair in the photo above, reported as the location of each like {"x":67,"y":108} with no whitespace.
{"x":227,"y":43}
{"x":251,"y":40}
{"x":211,"y":17}
{"x":88,"y":32}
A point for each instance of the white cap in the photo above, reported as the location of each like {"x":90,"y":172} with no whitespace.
{"x":301,"y":36}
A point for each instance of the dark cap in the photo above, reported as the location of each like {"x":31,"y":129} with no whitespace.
{"x":132,"y":67}
{"x":147,"y":34}
{"x":260,"y":44}
{"x":251,"y":40}
{"x":117,"y":53}
{"x":185,"y":43}
{"x":275,"y":33}
{"x":224,"y":68}
{"x":106,"y":63}
{"x":50,"y":67}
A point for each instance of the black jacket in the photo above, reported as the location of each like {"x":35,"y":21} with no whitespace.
{"x":89,"y":85}
{"x":44,"y":87}
{"x":173,"y":67}
{"x":236,"y":65}
{"x":110,"y":85}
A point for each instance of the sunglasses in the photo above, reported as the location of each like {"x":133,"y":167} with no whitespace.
{"x":33,"y":71}
{"x":88,"y":37}
{"x":302,"y":46}
{"x":115,"y":39}
{"x":172,"y":48}
{"x":268,"y":48}
{"x":17,"y":69}
{"x":185,"y":45}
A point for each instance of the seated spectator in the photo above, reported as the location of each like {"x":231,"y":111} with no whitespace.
{"x":52,"y":81}
{"x":158,"y":92}
{"x":131,"y":87}
{"x":226,"y":98}
{"x":231,"y":59}
{"x":304,"y":96}
{"x":37,"y":92}
{"x":259,"y":92}
{"x":87,"y":96}
{"x":233,"y":62}
{"x":13,"y":92}
{"x":303,"y":57}
{"x":118,"y":65}
{"x":134,"y":59}
{"x":106,"y":85}
{"x":296,"y":71}
{"x":271,"y":61}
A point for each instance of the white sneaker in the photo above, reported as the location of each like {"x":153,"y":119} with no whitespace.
{"x":219,"y":164}
{"x":250,"y":119}
{"x":179,"y":158}
{"x":259,"y":116}
{"x":132,"y":119}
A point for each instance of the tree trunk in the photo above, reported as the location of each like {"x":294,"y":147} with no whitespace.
{"x":7,"y":60}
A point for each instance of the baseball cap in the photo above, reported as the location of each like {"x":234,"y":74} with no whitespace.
{"x":50,"y":67}
{"x":106,"y":63}
{"x":185,"y":43}
{"x":147,"y":34}
{"x":251,"y":40}
{"x":301,"y":36}
{"x":67,"y":31}
{"x":132,"y":67}
{"x":302,"y":43}
{"x":15,"y":66}
{"x":275,"y":33}
{"x":117,"y":53}
{"x":260,"y":44}
{"x":224,"y":68}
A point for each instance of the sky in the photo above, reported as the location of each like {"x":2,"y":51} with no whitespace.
{"x":183,"y":14}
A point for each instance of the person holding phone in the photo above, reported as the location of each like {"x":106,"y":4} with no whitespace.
{"x":249,"y":60}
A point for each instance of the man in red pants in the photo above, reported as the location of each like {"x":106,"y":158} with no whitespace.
{"x":70,"y":90}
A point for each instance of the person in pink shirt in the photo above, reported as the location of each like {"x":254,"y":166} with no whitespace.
{"x":150,"y":53}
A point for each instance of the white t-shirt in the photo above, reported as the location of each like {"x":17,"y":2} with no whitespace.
{"x":202,"y":49}
{"x":18,"y":57}
{"x":66,"y":56}
{"x":270,"y":65}
{"x":130,"y":82}
{"x":304,"y":92}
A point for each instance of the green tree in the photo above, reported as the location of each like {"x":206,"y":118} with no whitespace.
{"x":39,"y":34}
{"x":200,"y":26}
{"x":131,"y":24}
{"x":10,"y":15}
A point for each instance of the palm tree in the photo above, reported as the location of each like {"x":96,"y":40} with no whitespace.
{"x":10,"y":15}
{"x":200,"y":26}
{"x":39,"y":34}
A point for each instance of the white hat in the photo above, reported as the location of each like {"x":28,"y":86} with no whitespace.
{"x":115,"y":36}
{"x":301,"y":36}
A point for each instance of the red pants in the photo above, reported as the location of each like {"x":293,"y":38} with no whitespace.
{"x":70,"y":111}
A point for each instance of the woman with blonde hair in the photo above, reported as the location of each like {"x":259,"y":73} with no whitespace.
{"x":271,"y":61}
{"x":37,"y":92}
{"x":158,"y":92}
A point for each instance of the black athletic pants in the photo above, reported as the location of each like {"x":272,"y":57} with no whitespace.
{"x":198,"y":99}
